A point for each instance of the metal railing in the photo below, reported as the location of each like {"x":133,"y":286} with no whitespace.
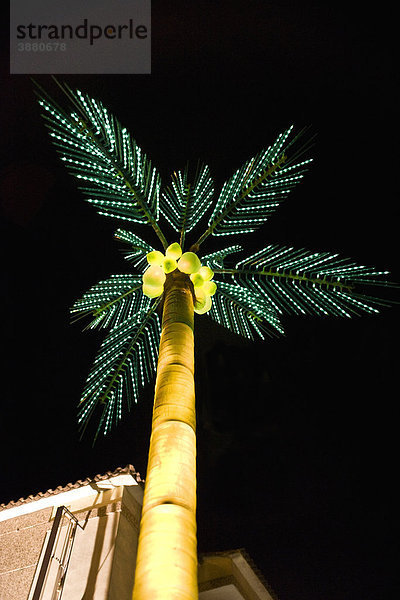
{"x":57,"y":549}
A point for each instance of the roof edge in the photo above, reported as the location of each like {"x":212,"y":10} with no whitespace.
{"x":127,"y":470}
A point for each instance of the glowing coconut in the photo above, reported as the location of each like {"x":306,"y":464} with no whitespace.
{"x":197,"y":280}
{"x":189,"y":263}
{"x":152,"y":291}
{"x":210,"y":287}
{"x":206,"y":273}
{"x":155,"y":258}
{"x":169,"y":265}
{"x":154,"y":276}
{"x":200,"y":298}
{"x":174,"y":251}
{"x":203,"y":306}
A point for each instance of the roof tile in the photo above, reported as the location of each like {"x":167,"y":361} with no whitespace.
{"x":129,"y":469}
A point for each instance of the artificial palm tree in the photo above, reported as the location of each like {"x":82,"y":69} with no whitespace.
{"x":248,"y":297}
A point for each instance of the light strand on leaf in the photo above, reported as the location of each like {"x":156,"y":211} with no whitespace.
{"x":139,"y":248}
{"x":184,"y":203}
{"x":126,"y":359}
{"x":120,"y":182}
{"x":362,"y":305}
{"x":251,"y":302}
{"x":117,"y":192}
{"x":216,"y":259}
{"x":254,"y":191}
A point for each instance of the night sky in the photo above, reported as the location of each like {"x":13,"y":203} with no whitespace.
{"x":297,"y":437}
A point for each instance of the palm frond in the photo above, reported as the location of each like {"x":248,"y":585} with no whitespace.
{"x":216,"y":259}
{"x":244,"y":313}
{"x":127,"y":359}
{"x":304,"y":282}
{"x":112,"y":302}
{"x":184,"y":203}
{"x":255,"y":190}
{"x":138,"y":248}
{"x":117,"y":177}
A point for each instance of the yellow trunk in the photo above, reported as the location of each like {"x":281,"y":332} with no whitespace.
{"x":166,"y":567}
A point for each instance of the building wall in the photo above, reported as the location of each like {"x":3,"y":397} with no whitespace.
{"x":104,"y":551}
{"x":124,"y":560}
{"x":21,"y":541}
{"x":102,"y":561}
{"x":104,"y":554}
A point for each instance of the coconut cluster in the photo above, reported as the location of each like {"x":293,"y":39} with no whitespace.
{"x":189,"y":263}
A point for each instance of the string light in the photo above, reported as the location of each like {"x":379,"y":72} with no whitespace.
{"x":255,"y":190}
{"x":123,"y":182}
{"x":247,"y":297}
{"x":184,"y":203}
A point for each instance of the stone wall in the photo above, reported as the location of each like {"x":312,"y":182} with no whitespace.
{"x":21,"y":541}
{"x":103,"y":556}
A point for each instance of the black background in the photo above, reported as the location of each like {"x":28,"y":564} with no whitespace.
{"x":297,"y":437}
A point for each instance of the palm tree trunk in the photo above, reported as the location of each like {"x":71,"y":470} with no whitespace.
{"x":166,"y":567}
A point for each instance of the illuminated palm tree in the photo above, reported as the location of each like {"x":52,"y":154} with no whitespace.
{"x":248,"y":297}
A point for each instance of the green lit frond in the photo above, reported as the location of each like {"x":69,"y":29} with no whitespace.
{"x":112,"y":302}
{"x":127,"y":359}
{"x":247,"y":298}
{"x":138,"y":248}
{"x":184,"y":203}
{"x":216,"y":259}
{"x":255,"y":190}
{"x":116,"y":176}
{"x":243,"y":312}
{"x":303,"y":282}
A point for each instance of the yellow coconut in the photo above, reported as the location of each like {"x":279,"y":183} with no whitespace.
{"x":155,"y":258}
{"x":154,"y":276}
{"x":206,"y":306}
{"x":210,"y":287}
{"x":152,"y":291}
{"x":189,"y":263}
{"x":206,"y":273}
{"x":174,"y":251}
{"x":197,"y":279}
{"x":200,"y":297}
{"x":169,"y":265}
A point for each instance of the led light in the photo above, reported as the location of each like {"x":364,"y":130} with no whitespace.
{"x":216,"y":259}
{"x":174,"y":251}
{"x":210,"y":287}
{"x":189,"y":263}
{"x":97,"y":150}
{"x":152,"y":291}
{"x":185,"y":202}
{"x":154,"y":276}
{"x":200,"y":297}
{"x":169,"y":265}
{"x":155,"y":258}
{"x":197,"y":280}
{"x":203,"y":307}
{"x":206,"y":273}
{"x":120,"y":182}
